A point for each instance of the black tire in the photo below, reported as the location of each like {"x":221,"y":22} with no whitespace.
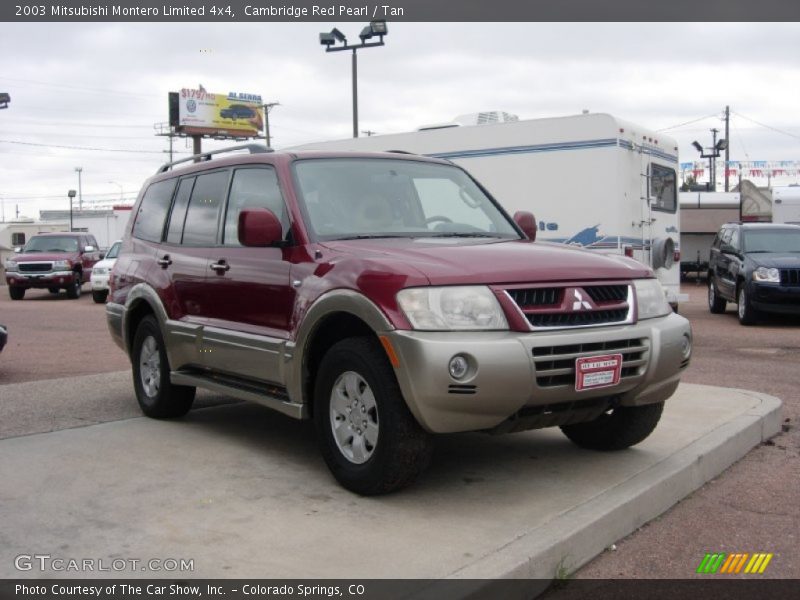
{"x":156,"y":395}
{"x":54,"y":290}
{"x":74,"y":289}
{"x":716,"y":303}
{"x":99,"y":296}
{"x":620,"y":428}
{"x":396,"y":450}
{"x":16,"y":293}
{"x":747,"y":314}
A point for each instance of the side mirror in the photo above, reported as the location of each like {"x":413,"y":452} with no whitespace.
{"x":527,"y":222}
{"x":102,"y":255}
{"x":728,"y":249}
{"x":259,"y":227}
{"x":89,"y":249}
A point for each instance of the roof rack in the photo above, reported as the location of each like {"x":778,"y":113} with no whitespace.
{"x":205,"y":156}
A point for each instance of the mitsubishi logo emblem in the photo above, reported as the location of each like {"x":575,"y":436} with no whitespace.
{"x":580,"y":303}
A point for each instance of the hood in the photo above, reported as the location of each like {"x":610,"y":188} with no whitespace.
{"x":777,"y":260}
{"x":106,"y":263}
{"x":453,"y":261}
{"x":45,"y":256}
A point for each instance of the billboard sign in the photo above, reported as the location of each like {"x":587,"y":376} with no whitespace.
{"x":234,"y":114}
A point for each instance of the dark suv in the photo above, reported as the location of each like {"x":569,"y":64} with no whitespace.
{"x":237,"y":111}
{"x":757,"y":266}
{"x":52,"y":261}
{"x":386,"y":297}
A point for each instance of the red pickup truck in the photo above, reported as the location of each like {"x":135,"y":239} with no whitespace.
{"x":52,"y":261}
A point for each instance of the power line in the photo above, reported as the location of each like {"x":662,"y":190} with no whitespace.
{"x":80,"y":147}
{"x":81,"y":89}
{"x":775,"y":129}
{"x":687,"y":123}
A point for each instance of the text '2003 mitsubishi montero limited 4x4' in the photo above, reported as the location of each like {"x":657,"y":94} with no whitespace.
{"x":388,"y":297}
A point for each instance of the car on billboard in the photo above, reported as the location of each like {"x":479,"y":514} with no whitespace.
{"x":237,"y":111}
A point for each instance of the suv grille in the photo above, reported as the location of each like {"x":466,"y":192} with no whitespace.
{"x":37,"y":267}
{"x":555,"y":365}
{"x":573,"y":306}
{"x":790,"y":276}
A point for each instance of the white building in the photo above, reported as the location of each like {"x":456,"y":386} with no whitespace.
{"x":107,"y":226}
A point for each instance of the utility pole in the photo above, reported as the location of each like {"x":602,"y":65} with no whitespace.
{"x":727,"y":148}
{"x":267,"y":108}
{"x":713,"y":161}
{"x":80,"y":191}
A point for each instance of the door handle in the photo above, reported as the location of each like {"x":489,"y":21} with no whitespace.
{"x":164,"y":261}
{"x":220,"y":267}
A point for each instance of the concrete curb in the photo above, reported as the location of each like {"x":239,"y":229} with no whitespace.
{"x":578,"y":535}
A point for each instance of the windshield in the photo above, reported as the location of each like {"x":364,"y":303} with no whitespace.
{"x":347,"y":198}
{"x":772,"y":240}
{"x":114,"y":250}
{"x":52,"y":243}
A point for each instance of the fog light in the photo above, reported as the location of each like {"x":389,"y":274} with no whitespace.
{"x":686,"y":347}
{"x":458,"y":367}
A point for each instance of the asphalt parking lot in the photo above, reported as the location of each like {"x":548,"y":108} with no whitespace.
{"x":751,"y":507}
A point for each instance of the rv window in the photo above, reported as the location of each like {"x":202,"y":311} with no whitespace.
{"x":662,"y":188}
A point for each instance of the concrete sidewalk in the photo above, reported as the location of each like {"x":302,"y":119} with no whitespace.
{"x":244,"y":493}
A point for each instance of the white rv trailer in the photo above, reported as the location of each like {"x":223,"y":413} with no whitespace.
{"x":786,"y":204}
{"x":591,"y":180}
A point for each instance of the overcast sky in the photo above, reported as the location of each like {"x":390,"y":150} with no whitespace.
{"x":105,"y":85}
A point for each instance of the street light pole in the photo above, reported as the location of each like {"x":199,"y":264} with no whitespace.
{"x":79,"y":170}
{"x":71,"y":195}
{"x":267,"y":108}
{"x":375,"y":28}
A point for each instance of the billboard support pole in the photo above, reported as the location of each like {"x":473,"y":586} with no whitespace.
{"x":197,"y":145}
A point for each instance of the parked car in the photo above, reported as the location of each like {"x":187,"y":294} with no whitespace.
{"x":387,"y":297}
{"x":757,"y":266}
{"x":101,"y":272}
{"x":52,"y":261}
{"x":237,"y":111}
{"x":3,"y":337}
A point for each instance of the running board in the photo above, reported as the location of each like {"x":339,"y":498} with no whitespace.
{"x":271,"y":396}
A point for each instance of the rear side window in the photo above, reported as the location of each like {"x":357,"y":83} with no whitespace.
{"x":178,"y":215}
{"x":252,"y":188}
{"x":152,"y":214}
{"x":663,"y":189}
{"x":202,"y":216}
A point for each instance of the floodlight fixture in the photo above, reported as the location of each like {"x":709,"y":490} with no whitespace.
{"x":5,"y":98}
{"x":722,"y":144}
{"x":697,"y":146}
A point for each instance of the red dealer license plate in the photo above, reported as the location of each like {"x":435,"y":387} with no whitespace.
{"x":597,"y":371}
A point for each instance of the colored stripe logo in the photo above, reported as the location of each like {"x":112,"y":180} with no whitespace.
{"x":734,"y":563}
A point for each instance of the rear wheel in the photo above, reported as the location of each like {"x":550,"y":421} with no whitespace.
{"x":370,"y":440}
{"x":16,"y":293}
{"x":53,"y":290}
{"x":157,"y":396}
{"x":74,"y":289}
{"x":617,"y":429}
{"x":716,"y":304}
{"x":747,"y":314}
{"x":99,"y":296}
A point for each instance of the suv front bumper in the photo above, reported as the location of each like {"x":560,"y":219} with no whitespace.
{"x":40,"y":280}
{"x":511,"y":371}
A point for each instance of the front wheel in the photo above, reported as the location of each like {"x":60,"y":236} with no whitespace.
{"x":716,"y":304}
{"x":747,"y":314}
{"x":99,"y":296}
{"x":16,"y":293}
{"x":157,"y":396}
{"x":617,"y":429}
{"x":74,"y":289}
{"x":370,"y":440}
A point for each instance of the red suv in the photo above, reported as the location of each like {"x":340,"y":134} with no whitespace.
{"x":387,"y":297}
{"x":52,"y":261}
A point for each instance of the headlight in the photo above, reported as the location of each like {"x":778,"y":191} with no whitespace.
{"x":650,"y":299}
{"x":767,"y":275}
{"x":62,"y":264}
{"x":11,"y":265}
{"x":452,"y":308}
{"x":99,"y":271}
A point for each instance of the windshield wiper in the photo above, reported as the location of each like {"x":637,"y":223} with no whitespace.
{"x":466,"y":234}
{"x":369,"y":236}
